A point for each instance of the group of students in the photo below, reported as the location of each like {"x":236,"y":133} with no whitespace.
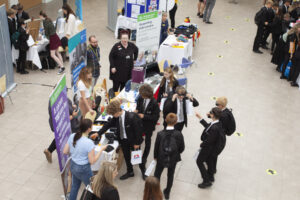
{"x":130,"y":127}
{"x":281,"y":19}
{"x":19,"y":34}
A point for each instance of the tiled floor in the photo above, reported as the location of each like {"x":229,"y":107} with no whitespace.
{"x":267,"y":112}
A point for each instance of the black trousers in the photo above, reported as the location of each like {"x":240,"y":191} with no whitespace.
{"x":126,"y":148}
{"x":275,"y":40}
{"x":117,"y":84}
{"x":171,"y":170}
{"x":267,"y":31}
{"x":179,"y":126}
{"x":52,"y":146}
{"x":172,"y":15}
{"x":258,"y":37}
{"x":211,"y":162}
{"x":64,"y":42}
{"x":148,"y":136}
{"x":21,"y":61}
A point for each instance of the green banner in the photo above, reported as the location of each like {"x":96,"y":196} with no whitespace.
{"x":58,"y":89}
{"x":147,"y":16}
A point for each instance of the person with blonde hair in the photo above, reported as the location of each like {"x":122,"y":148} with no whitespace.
{"x":103,"y":182}
{"x":152,"y":189}
{"x":84,"y":85}
{"x":167,"y":85}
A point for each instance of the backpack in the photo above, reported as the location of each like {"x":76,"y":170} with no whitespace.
{"x":169,"y":150}
{"x":258,"y":16}
{"x":231,"y":126}
{"x":15,"y":39}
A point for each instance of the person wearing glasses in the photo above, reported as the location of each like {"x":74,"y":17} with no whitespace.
{"x":213,"y":142}
{"x":93,"y":58}
{"x":178,"y":104}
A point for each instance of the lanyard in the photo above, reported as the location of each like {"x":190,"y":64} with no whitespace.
{"x":94,"y":52}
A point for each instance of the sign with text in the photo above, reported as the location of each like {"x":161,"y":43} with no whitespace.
{"x":61,"y":124}
{"x":148,"y":35}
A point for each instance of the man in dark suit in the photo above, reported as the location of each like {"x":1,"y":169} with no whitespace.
{"x":285,"y":6}
{"x":213,"y":142}
{"x":21,"y":14}
{"x":169,"y":144}
{"x":178,"y":104}
{"x":262,"y":21}
{"x":23,"y":47}
{"x":11,"y":22}
{"x":148,"y":110}
{"x":267,"y":28}
{"x":129,"y":132}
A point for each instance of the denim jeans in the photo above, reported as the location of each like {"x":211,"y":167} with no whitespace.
{"x":210,"y":4}
{"x":80,"y":173}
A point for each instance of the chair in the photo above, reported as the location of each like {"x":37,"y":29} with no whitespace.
{"x":166,"y":64}
{"x":182,"y":82}
{"x":184,"y":65}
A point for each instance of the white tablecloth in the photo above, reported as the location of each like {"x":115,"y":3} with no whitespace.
{"x":32,"y":53}
{"x":104,"y":155}
{"x":126,"y":23}
{"x":175,"y":55}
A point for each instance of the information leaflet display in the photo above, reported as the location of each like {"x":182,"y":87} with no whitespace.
{"x":61,"y":125}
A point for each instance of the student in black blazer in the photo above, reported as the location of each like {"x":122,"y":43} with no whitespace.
{"x":11,"y":22}
{"x":285,"y":7}
{"x":21,"y":14}
{"x":129,"y":132}
{"x":167,"y":85}
{"x":213,"y":142}
{"x":148,"y":110}
{"x":23,"y":47}
{"x":169,"y":144}
{"x":171,"y":105}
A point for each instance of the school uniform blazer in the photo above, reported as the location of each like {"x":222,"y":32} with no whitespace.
{"x":24,"y":16}
{"x":11,"y":26}
{"x":151,"y":114}
{"x":171,"y":107}
{"x":133,"y":130}
{"x":213,"y":139}
{"x":162,"y":89}
{"x":23,"y":46}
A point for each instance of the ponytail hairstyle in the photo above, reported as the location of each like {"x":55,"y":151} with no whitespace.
{"x":85,"y":124}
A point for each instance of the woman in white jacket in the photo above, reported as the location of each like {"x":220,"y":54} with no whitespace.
{"x":70,"y":28}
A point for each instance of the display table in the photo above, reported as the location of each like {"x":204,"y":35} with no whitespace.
{"x":32,"y":53}
{"x":125,"y":23}
{"x":105,"y":156}
{"x":168,"y":51}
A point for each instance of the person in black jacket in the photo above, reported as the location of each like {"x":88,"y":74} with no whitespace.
{"x":167,"y":85}
{"x":21,"y":14}
{"x":260,"y":26}
{"x":285,"y":6}
{"x":103,"y":182}
{"x":169,"y":144}
{"x":178,"y":103}
{"x":276,"y":28}
{"x":11,"y":23}
{"x":213,"y":142}
{"x":148,"y":110}
{"x":122,"y":57}
{"x":23,"y":47}
{"x":268,"y":28}
{"x":128,"y":131}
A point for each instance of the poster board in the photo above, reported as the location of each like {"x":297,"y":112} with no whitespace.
{"x":148,"y":35}
{"x":61,"y":125}
{"x":34,"y":28}
{"x":77,"y":55}
{"x":135,"y":7}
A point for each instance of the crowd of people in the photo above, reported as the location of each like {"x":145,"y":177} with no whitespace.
{"x":281,"y":19}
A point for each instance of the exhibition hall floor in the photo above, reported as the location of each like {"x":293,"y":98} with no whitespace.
{"x":266,"y":109}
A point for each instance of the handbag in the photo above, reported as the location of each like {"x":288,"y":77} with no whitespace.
{"x":136,"y":157}
{"x":87,"y":194}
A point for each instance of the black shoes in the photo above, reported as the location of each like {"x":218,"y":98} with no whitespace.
{"x":282,"y":77}
{"x":264,"y":47}
{"x":198,"y":14}
{"x":143,"y":170}
{"x":257,"y":51}
{"x":24,"y":72}
{"x":208,"y":22}
{"x":212,"y":179}
{"x":204,"y":185}
{"x":127,"y":175}
{"x":293,"y":84}
{"x":167,"y":195}
{"x":201,"y":16}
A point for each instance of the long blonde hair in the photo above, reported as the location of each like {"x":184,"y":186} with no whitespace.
{"x":172,"y":79}
{"x":83,"y":76}
{"x":104,"y":178}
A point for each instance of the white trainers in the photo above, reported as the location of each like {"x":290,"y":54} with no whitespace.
{"x":61,"y":70}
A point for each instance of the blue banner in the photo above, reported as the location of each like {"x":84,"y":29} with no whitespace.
{"x":78,"y":4}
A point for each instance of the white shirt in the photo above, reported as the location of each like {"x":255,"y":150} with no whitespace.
{"x":170,"y":128}
{"x":180,"y":115}
{"x":70,"y":26}
{"x":213,"y":122}
{"x":167,"y":86}
{"x":123,"y":124}
{"x":146,"y":103}
{"x":82,"y":88}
